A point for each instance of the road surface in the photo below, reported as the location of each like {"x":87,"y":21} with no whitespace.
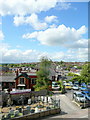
{"x":68,"y":108}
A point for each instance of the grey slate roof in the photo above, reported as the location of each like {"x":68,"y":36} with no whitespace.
{"x":7,"y":78}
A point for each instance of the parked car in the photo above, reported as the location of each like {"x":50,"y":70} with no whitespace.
{"x":88,"y":86}
{"x":64,"y":82}
{"x":86,"y":94}
{"x":79,"y":97}
{"x":71,"y":84}
{"x":76,"y":83}
{"x":75,"y":87}
{"x":55,"y":86}
{"x":83,"y":88}
{"x":68,"y":86}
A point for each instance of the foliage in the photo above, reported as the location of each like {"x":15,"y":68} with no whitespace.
{"x":84,"y":76}
{"x":80,"y":79}
{"x":72,"y":74}
{"x":42,"y":81}
{"x":79,"y":67}
{"x":85,"y":73}
{"x":62,"y":87}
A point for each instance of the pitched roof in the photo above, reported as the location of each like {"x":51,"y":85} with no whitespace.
{"x":7,"y":78}
{"x":22,"y":74}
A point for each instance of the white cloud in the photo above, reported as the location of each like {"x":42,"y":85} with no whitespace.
{"x":82,"y":53}
{"x":16,"y":55}
{"x":34,"y":21}
{"x":50,"y":19}
{"x":82,"y":43}
{"x":19,"y":20}
{"x":24,"y":7}
{"x":31,"y":20}
{"x":1,"y":35}
{"x":63,"y":5}
{"x":59,"y":36}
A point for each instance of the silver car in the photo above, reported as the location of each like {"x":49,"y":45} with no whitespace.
{"x":79,"y":97}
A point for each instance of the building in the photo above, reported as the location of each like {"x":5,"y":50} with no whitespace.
{"x":25,"y":80}
{"x":7,"y":81}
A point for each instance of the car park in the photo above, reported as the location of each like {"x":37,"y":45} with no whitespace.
{"x":79,"y":97}
{"x":55,"y":86}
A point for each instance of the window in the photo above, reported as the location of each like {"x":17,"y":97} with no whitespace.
{"x":33,"y":81}
{"x":21,"y":80}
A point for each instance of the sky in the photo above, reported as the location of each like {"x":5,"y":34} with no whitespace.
{"x":31,"y":29}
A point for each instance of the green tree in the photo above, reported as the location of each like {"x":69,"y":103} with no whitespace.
{"x":80,"y":79}
{"x":85,"y":73}
{"x":42,"y":81}
{"x":62,"y":87}
{"x":72,"y":74}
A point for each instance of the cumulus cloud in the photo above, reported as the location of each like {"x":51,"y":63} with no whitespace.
{"x":24,"y":7}
{"x":59,"y":36}
{"x":50,"y":19}
{"x":31,"y":20}
{"x":1,"y":35}
{"x":82,"y":43}
{"x":19,"y":20}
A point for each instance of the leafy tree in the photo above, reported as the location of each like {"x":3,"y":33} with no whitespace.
{"x":61,"y":62}
{"x":42,"y":81}
{"x":84,"y":76}
{"x":79,"y":67}
{"x":72,"y":74}
{"x":80,"y":79}
{"x":85,"y":73}
{"x":62,"y":87}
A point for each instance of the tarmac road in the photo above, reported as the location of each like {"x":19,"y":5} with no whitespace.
{"x":68,"y":108}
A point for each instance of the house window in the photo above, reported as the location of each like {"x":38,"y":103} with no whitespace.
{"x":33,"y":81}
{"x":21,"y":80}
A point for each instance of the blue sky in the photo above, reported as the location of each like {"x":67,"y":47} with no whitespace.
{"x":56,"y":30}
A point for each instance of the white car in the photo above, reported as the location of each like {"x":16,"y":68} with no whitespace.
{"x":75,"y":87}
{"x":79,"y":97}
{"x":64,"y":82}
{"x":55,"y":86}
{"x":71,"y":84}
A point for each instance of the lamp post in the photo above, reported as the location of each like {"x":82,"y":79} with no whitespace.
{"x":22,"y":100}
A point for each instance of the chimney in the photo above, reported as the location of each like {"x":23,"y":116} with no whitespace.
{"x":16,"y":72}
{"x":20,"y":70}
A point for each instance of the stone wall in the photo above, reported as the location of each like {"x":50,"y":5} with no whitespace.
{"x":38,"y":115}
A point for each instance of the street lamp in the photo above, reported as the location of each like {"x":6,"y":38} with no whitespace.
{"x":22,"y":101}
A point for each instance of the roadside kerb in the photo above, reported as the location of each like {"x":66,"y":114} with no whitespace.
{"x":80,"y":105}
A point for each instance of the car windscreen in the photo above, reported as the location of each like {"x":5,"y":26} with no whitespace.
{"x":55,"y":84}
{"x":75,"y":85}
{"x":80,"y":95}
{"x":88,"y":94}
